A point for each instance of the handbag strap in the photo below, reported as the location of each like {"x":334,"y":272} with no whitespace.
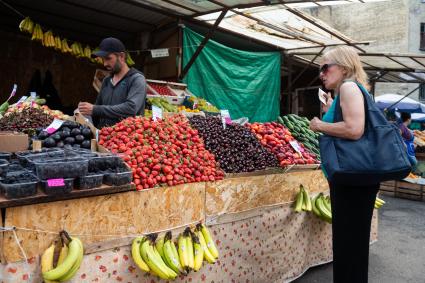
{"x":338,"y":116}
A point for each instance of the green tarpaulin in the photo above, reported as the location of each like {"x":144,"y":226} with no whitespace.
{"x":245,"y":83}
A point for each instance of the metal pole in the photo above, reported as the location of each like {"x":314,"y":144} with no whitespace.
{"x":202,"y":45}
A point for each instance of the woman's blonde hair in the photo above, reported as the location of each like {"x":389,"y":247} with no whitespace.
{"x":347,"y":57}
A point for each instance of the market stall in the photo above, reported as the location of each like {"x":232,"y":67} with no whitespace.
{"x":258,"y":234}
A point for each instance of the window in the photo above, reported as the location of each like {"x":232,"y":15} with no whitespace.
{"x":422,"y":37}
{"x":422,"y":92}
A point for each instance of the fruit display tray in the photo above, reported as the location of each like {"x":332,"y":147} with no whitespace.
{"x":92,"y":180}
{"x":62,"y":168}
{"x":51,"y":190}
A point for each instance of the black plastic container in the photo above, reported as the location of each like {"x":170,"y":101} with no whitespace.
{"x":90,"y":181}
{"x":104,"y":162}
{"x":15,"y":166}
{"x":5,"y":155}
{"x":118,"y":179}
{"x":62,"y":168}
{"x":22,"y":189}
{"x":4,"y":167}
{"x":22,"y":155}
{"x":57,"y":189}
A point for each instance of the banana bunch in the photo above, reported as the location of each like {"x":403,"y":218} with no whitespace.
{"x":48,"y":39}
{"x":77,"y":50}
{"x":130,"y":60}
{"x":65,"y":47}
{"x":161,"y":257}
{"x":87,"y":52}
{"x":378,"y":203}
{"x":303,"y":201}
{"x":321,"y":207}
{"x":68,"y":263}
{"x":26,"y":25}
{"x":58,"y":43}
{"x":37,"y":33}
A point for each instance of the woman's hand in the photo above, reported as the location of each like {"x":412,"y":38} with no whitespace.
{"x":315,"y":124}
{"x":329,"y":101}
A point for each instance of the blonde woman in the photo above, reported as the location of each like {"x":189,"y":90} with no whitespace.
{"x":352,"y":205}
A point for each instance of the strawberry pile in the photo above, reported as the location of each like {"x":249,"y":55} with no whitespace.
{"x":276,"y":138}
{"x":163,"y":152}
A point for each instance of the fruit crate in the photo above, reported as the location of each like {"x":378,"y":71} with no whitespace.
{"x":4,"y":167}
{"x":5,"y":155}
{"x":90,"y":181}
{"x":178,"y":91}
{"x":62,"y":168}
{"x":21,"y":189}
{"x":55,"y":188}
{"x":408,"y":190}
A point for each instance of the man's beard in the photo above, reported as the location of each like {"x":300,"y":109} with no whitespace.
{"x":117,"y":68}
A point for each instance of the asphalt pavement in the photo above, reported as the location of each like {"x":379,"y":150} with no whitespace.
{"x":399,"y":254}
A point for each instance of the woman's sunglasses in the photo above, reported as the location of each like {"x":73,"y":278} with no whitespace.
{"x":324,"y":69}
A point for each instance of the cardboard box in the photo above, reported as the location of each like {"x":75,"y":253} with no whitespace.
{"x":13,"y":141}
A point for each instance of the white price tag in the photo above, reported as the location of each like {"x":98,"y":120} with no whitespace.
{"x":322,"y":96}
{"x":157,"y":53}
{"x":156,"y":112}
{"x":295,"y":145}
{"x":225,"y":118}
{"x":54,"y":126}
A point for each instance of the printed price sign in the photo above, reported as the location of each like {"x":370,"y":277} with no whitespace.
{"x":54,"y":126}
{"x":158,"y":53}
{"x":156,"y":112}
{"x":225,"y":118}
{"x":322,"y":96}
{"x":296,"y":146}
{"x":56,"y":182}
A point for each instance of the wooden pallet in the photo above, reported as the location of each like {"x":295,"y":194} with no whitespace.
{"x":402,"y":189}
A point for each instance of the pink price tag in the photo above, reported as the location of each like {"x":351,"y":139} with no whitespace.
{"x":51,"y":130}
{"x":56,"y":182}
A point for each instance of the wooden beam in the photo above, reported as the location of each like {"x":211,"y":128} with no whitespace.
{"x":311,"y":21}
{"x":417,"y":61}
{"x":330,"y":45}
{"x":156,"y":9}
{"x":67,"y":2}
{"x":180,"y":6}
{"x":202,"y":45}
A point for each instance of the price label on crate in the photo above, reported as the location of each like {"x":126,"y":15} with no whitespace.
{"x":56,"y":182}
{"x":158,"y":53}
{"x":156,"y":112}
{"x":54,"y":126}
{"x":296,"y":146}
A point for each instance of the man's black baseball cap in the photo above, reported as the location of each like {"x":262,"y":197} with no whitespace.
{"x":107,"y":46}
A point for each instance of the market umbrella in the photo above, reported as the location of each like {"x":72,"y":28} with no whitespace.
{"x":416,"y":117}
{"x":400,"y":103}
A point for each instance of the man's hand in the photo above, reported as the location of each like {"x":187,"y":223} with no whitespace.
{"x":85,"y":108}
{"x":329,"y":100}
{"x":314,"y":124}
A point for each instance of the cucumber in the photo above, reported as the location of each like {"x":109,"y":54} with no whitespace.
{"x":280,"y":120}
{"x":293,"y":119}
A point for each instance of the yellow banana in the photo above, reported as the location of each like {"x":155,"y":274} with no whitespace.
{"x":207,"y":254}
{"x":299,"y":202}
{"x":47,"y":260}
{"x":159,"y":244}
{"x":198,"y":252}
{"x":189,"y":244}
{"x":63,"y":254}
{"x":76,"y":266}
{"x":182,"y":250}
{"x":209,"y":241}
{"x":149,"y":256}
{"x":327,"y":215}
{"x":170,"y":254}
{"x":135,"y":253}
{"x":327,"y":203}
{"x":306,"y":199}
{"x":380,"y":201}
{"x":170,"y":272}
{"x":22,"y":25}
{"x":70,"y":260}
{"x":314,"y":207}
{"x":30,"y":26}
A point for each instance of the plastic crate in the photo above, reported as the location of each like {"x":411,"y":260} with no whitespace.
{"x":118,"y":179}
{"x":62,"y":168}
{"x":90,"y":181}
{"x":5,"y":155}
{"x":54,"y":187}
{"x":4,"y":167}
{"x":19,"y":190}
{"x":22,"y":155}
{"x":104,"y":162}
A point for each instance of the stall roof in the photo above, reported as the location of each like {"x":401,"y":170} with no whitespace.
{"x":91,"y":20}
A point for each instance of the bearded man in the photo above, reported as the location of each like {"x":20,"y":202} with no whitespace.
{"x":123,"y":93}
